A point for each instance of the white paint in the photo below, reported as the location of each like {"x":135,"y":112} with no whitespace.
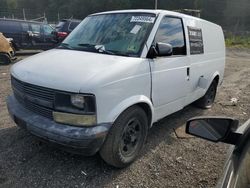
{"x":119,"y":82}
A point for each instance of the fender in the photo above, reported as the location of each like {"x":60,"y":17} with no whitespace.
{"x":209,"y":82}
{"x":122,"y":106}
{"x":204,"y":83}
{"x":217,"y":73}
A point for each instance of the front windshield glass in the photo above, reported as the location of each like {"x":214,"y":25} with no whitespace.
{"x":117,"y":34}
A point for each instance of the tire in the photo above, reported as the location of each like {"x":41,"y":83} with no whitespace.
{"x":207,"y":100}
{"x":126,"y":138}
{"x":4,"y":59}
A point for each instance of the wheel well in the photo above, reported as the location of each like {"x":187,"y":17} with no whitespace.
{"x":148,"y":111}
{"x":14,"y":45}
{"x":217,"y":78}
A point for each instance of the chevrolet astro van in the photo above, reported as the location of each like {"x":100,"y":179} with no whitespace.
{"x":114,"y":76}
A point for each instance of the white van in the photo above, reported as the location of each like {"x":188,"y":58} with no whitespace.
{"x":114,"y":76}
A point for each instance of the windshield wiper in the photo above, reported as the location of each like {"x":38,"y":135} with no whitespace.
{"x":97,"y":48}
{"x":65,"y":46}
{"x":86,"y":45}
{"x":101,"y":48}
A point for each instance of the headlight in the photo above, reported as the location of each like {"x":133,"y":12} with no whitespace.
{"x":75,"y":103}
{"x":75,"y":109}
{"x":78,"y":101}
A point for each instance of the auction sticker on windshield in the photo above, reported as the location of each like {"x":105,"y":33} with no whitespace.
{"x":144,"y":19}
{"x":136,"y":29}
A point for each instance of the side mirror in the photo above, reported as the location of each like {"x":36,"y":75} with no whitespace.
{"x":215,"y":129}
{"x":33,"y":34}
{"x":164,"y":49}
{"x":160,"y":49}
{"x":30,"y":34}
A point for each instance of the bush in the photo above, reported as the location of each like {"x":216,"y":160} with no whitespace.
{"x":238,"y":41}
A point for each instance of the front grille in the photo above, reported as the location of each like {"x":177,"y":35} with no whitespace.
{"x":34,"y":98}
{"x":33,"y":90}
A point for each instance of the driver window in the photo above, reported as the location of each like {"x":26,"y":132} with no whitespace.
{"x":35,"y":28}
{"x":47,"y":30}
{"x":171,"y":31}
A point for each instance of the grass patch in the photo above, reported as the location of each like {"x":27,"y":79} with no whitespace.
{"x":238,"y":41}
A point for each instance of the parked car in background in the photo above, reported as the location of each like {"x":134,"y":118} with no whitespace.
{"x":114,"y":76}
{"x":227,"y":130}
{"x":64,"y":28}
{"x":6,"y":51}
{"x":28,"y":34}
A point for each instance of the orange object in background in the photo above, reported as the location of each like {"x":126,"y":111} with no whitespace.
{"x":6,"y":51}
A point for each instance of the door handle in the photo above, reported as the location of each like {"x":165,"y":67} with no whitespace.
{"x":188,"y":73}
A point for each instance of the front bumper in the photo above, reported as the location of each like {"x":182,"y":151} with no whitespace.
{"x":84,"y":140}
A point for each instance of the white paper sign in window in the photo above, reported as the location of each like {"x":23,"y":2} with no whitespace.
{"x":143,"y":19}
{"x":135,"y":29}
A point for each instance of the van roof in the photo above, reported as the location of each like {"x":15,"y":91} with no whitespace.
{"x":153,"y":11}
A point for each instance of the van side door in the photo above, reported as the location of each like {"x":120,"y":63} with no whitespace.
{"x":26,"y":40}
{"x":170,"y":75}
{"x":36,"y":35}
{"x":48,"y":36}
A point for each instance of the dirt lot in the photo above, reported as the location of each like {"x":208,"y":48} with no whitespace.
{"x":166,"y":162}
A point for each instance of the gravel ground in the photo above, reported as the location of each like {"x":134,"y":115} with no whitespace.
{"x":167,"y":161}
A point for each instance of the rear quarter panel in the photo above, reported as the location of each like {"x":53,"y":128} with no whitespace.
{"x":209,"y":64}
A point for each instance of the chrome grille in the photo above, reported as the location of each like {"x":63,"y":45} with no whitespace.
{"x":43,"y":97}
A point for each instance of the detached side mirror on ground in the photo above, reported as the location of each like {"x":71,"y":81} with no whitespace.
{"x":160,"y":50}
{"x":215,"y":129}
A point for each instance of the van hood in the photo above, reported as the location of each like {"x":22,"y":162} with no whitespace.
{"x":74,"y":71}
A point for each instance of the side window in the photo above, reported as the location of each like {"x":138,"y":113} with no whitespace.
{"x":35,"y":28}
{"x":171,"y":31}
{"x":195,"y":40}
{"x":47,"y":29}
{"x":72,"y":25}
{"x":25,"y":27}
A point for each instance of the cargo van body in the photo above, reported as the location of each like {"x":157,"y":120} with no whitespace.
{"x":80,"y":94}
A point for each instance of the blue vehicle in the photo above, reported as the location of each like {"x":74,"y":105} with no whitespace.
{"x":28,"y":34}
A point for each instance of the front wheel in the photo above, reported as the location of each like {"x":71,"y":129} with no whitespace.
{"x":126,"y":138}
{"x":207,"y":100}
{"x":5,"y":59}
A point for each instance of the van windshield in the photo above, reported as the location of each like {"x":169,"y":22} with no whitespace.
{"x":117,"y":34}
